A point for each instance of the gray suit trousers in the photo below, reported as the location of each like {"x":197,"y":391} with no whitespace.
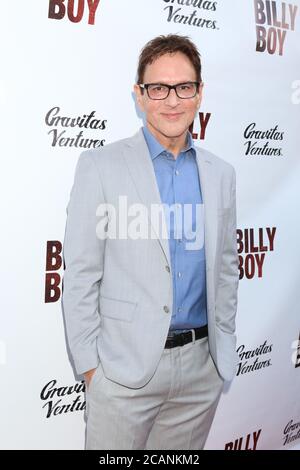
{"x":174,"y":410}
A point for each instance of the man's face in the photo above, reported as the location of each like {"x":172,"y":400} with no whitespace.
{"x":171,"y":117}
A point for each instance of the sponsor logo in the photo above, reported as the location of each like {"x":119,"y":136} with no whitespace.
{"x":52,"y":277}
{"x":252,"y":360}
{"x":197,"y":13}
{"x":291,"y":432}
{"x":74,"y":10}
{"x":252,"y":246}
{"x":273,"y":20}
{"x":203,"y":121}
{"x":60,"y":126}
{"x":61,"y":400}
{"x":248,"y":442}
{"x":263,"y":142}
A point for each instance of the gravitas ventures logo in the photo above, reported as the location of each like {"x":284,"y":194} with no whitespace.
{"x":254,"y":359}
{"x":266,"y":142}
{"x":64,"y":399}
{"x":70,"y":131}
{"x":197,"y":13}
{"x":291,"y":432}
{"x":273,"y":20}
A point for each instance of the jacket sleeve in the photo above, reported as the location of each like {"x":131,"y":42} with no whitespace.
{"x":226,"y":301}
{"x":83,"y":254}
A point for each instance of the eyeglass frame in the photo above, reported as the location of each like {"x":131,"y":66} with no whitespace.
{"x":145,"y":86}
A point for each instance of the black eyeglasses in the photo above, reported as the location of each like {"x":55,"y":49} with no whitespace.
{"x":160,"y":91}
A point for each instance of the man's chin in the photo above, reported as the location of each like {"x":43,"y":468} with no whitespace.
{"x":173,"y":131}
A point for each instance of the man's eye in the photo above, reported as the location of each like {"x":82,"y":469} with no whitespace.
{"x":185,"y":86}
{"x":157,"y":88}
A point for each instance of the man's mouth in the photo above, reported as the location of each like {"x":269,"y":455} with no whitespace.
{"x":172,"y":116}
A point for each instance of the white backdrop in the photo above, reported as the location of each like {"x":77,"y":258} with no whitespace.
{"x":82,"y":68}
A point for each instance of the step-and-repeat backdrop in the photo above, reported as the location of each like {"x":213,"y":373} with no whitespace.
{"x":67,"y":74}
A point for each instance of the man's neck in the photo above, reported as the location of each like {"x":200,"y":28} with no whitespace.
{"x":174,"y":145}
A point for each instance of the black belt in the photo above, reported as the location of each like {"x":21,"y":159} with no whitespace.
{"x":186,"y":337}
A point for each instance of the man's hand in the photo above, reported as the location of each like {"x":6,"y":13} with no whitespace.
{"x":88,"y":376}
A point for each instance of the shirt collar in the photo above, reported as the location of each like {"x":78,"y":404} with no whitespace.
{"x":155,"y":148}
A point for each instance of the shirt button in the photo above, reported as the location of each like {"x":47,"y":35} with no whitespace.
{"x":176,"y":172}
{"x":168,"y":269}
{"x":166,"y":309}
{"x":179,"y":274}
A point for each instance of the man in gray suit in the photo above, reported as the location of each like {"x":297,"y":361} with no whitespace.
{"x":150,"y":302}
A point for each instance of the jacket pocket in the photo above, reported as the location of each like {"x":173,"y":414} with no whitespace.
{"x":117,"y":309}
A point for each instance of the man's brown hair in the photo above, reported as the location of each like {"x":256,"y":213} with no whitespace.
{"x":169,"y":44}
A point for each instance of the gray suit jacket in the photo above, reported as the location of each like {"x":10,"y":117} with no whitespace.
{"x":117,"y":293}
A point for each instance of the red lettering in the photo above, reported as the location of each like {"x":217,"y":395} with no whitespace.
{"x":53,"y":12}
{"x":52,"y":289}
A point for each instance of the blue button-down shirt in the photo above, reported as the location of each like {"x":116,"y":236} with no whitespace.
{"x":179,"y":184}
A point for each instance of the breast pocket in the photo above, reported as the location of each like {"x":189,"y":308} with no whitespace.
{"x":117,"y":309}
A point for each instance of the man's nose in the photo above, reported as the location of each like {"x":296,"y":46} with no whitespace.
{"x":172,"y":99}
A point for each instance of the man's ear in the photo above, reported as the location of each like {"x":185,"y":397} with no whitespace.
{"x":139,"y":97}
{"x":200,"y":94}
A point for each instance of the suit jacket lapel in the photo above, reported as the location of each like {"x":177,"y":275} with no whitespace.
{"x":143,"y":176}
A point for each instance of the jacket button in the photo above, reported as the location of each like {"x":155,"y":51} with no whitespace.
{"x":168,"y":269}
{"x":166,"y":309}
